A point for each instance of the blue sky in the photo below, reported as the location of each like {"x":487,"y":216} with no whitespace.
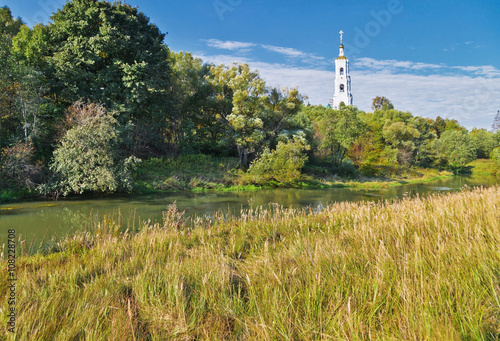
{"x":428,"y":57}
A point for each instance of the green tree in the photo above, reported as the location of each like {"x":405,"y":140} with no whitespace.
{"x":246,"y":92}
{"x":402,"y":137}
{"x":495,"y":156}
{"x":87,"y":159}
{"x":454,"y":149}
{"x":111,"y":53}
{"x":338,"y":130}
{"x":197,"y":112}
{"x":484,"y":141}
{"x":381,"y":103}
{"x":9,"y":123}
{"x":106,"y":52}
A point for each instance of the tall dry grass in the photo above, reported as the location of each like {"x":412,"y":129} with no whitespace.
{"x":416,"y":269}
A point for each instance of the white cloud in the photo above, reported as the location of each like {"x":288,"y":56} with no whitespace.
{"x":287,"y":51}
{"x":228,"y":45}
{"x":291,"y":52}
{"x":486,"y":70}
{"x":392,"y":65}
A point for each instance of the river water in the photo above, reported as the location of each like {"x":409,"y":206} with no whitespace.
{"x":38,"y":221}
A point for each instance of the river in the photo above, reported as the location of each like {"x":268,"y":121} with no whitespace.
{"x":38,"y":221}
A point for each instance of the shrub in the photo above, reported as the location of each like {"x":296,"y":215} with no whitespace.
{"x":17,"y":168}
{"x":495,"y":155}
{"x":282,"y":164}
{"x":88,"y":158}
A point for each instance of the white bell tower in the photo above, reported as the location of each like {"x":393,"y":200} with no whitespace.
{"x":342,"y":92}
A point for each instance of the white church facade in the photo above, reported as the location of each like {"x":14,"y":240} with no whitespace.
{"x":342,"y":92}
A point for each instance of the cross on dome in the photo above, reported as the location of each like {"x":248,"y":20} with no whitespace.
{"x":341,"y":36}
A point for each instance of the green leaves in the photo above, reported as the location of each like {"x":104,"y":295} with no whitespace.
{"x":282,"y":164}
{"x":258,"y":114}
{"x":87,"y":159}
{"x":109,"y":52}
{"x":454,"y":148}
{"x":338,"y":130}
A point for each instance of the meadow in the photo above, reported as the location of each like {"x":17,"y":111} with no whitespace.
{"x":413,"y":269}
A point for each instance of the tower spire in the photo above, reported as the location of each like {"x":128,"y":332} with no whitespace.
{"x":341,"y":48}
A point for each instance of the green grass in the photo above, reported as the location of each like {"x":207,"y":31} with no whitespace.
{"x":400,"y":176}
{"x":413,"y":269}
{"x":484,"y":167}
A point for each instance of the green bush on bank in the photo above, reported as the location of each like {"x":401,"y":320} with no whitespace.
{"x":495,"y":156}
{"x":282,"y":164}
{"x":88,"y":157}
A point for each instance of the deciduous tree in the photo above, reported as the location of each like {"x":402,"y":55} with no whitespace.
{"x":381,"y":103}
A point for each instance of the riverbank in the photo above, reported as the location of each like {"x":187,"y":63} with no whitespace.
{"x":414,"y":269}
{"x":203,"y":173}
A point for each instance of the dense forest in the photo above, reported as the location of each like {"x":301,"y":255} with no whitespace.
{"x":91,"y":100}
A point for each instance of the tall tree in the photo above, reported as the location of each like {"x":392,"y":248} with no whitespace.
{"x":9,"y":27}
{"x":106,"y":52}
{"x":111,"y":53}
{"x":195,"y":121}
{"x":338,"y":130}
{"x":245,"y":90}
{"x":454,"y":149}
{"x":484,"y":141}
{"x":381,"y":103}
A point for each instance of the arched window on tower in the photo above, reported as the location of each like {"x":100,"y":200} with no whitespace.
{"x":341,"y":87}
{"x":341,"y":71}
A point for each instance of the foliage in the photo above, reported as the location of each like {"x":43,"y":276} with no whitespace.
{"x":196,"y":124}
{"x":108,"y":53}
{"x":9,"y":27}
{"x":184,"y":172}
{"x":484,"y":141}
{"x":337,"y":131}
{"x":381,"y":103}
{"x":87,"y":158}
{"x":245,"y":90}
{"x":282,"y":164}
{"x":454,"y":149}
{"x":495,"y":155}
{"x":258,"y":115}
{"x":18,"y":168}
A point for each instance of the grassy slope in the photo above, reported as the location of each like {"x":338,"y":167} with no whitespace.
{"x":484,"y":167}
{"x":411,"y":270}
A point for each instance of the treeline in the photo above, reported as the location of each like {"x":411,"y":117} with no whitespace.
{"x":85,"y":98}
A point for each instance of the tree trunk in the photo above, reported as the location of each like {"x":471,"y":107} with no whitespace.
{"x":245,"y":158}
